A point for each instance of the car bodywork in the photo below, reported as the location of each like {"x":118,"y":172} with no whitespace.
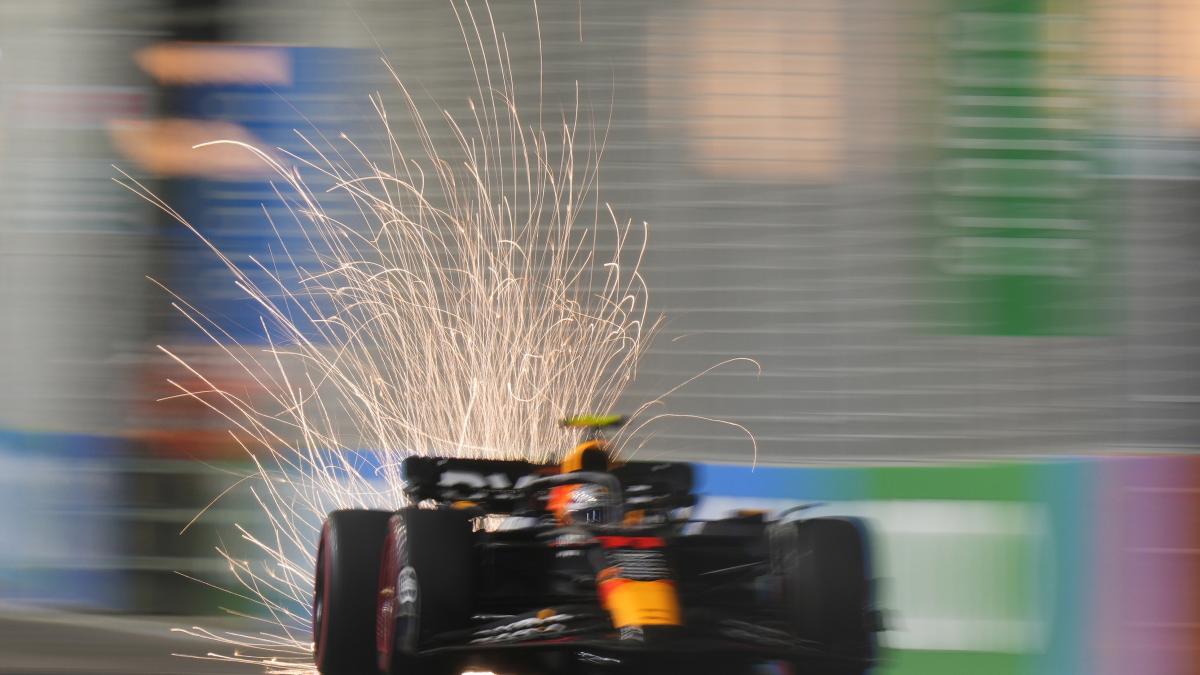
{"x":591,"y":564}
{"x":635,"y":585}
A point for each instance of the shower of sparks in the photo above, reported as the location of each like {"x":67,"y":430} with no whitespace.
{"x":466,"y":308}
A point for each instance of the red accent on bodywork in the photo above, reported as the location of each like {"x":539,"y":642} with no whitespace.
{"x":632,"y":542}
{"x":557,"y":503}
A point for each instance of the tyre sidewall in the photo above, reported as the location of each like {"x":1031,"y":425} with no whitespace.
{"x":344,"y":591}
{"x":825,"y":581}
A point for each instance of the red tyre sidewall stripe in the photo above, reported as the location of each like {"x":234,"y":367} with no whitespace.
{"x":326,"y":593}
{"x":385,"y":626}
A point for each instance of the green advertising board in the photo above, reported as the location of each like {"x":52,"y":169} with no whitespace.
{"x":1016,"y":239}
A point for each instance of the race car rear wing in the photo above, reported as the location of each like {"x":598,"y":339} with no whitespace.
{"x":499,"y":485}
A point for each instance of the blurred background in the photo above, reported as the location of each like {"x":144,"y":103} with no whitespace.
{"x":961,"y":237}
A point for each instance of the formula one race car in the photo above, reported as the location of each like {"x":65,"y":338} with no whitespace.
{"x":589,"y":566}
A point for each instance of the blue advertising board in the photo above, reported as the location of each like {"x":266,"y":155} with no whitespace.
{"x":324,"y":95}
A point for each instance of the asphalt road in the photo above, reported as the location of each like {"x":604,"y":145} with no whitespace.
{"x":40,"y":642}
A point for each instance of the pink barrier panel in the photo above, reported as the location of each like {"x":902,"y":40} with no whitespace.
{"x":1148,"y":563}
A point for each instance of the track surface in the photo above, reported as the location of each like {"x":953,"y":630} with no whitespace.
{"x":39,"y":642}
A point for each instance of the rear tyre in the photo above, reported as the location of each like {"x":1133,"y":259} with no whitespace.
{"x":345,"y":590}
{"x":427,"y":585}
{"x":824,"y":571}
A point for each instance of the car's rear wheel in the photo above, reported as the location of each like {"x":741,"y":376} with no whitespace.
{"x":823,"y":566}
{"x":345,"y":590}
{"x":426,"y":588}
